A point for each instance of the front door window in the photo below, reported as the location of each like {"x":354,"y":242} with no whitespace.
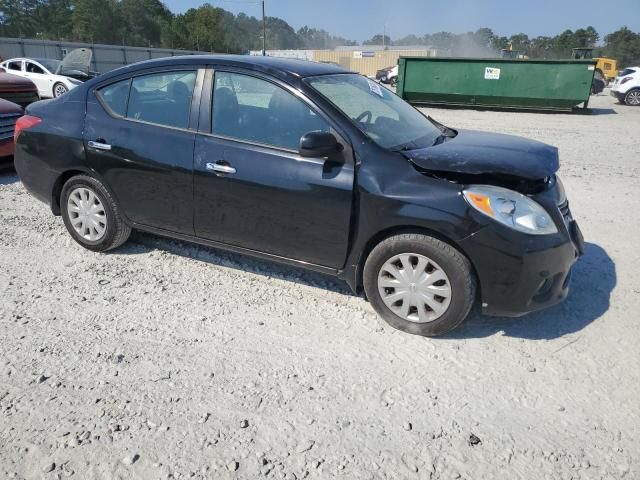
{"x":257,"y":111}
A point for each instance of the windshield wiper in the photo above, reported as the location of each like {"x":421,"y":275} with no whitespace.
{"x":446,"y":131}
{"x":403,"y":148}
{"x":440,"y":139}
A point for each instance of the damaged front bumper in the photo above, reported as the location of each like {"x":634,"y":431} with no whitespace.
{"x":520,"y":273}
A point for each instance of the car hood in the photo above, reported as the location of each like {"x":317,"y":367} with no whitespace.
{"x":472,"y":152}
{"x":9,"y":108}
{"x":76,"y":62}
{"x":12,"y":83}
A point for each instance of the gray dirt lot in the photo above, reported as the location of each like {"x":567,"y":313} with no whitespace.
{"x":169,"y":360}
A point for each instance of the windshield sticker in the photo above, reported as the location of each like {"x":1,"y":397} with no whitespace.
{"x":491,"y":73}
{"x":375,"y":88}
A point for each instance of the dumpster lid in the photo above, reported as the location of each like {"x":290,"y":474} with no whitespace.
{"x":474,"y":152}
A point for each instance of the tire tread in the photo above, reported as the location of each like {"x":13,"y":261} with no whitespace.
{"x":122,"y":230}
{"x":399,"y":242}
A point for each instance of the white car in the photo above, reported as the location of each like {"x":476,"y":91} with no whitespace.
{"x":626,"y":86}
{"x":52,"y":77}
{"x":388,"y":75}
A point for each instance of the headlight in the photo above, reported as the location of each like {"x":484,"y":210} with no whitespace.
{"x":510,"y":208}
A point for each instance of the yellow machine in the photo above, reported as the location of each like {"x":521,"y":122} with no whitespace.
{"x":608,"y":67}
{"x":512,"y":54}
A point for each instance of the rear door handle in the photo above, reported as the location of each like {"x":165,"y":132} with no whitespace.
{"x":220,"y":168}
{"x":99,"y":145}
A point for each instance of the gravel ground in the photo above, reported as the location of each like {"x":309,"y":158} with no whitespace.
{"x":169,"y":360}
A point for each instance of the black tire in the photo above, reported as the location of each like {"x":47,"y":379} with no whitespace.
{"x":394,"y":81}
{"x":117,"y":231}
{"x":57,"y":90}
{"x":454,"y":264}
{"x":632,"y":97}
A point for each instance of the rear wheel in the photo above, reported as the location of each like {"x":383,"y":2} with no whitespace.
{"x":59,"y":89}
{"x":91,"y":215}
{"x":632,"y":97}
{"x":419,"y":284}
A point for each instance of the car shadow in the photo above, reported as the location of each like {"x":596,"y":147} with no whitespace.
{"x":603,"y":111}
{"x":593,"y":279}
{"x":7,"y":177}
{"x":142,"y":242}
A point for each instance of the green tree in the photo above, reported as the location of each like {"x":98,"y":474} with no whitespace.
{"x":55,"y":19}
{"x":143,"y":21}
{"x":96,"y":21}
{"x":585,"y":37}
{"x":202,"y":29}
{"x":624,"y":46}
{"x":18,"y":19}
{"x":378,"y":40}
{"x":442,"y":40}
{"x":520,"y":42}
{"x":410,"y":40}
{"x":280,"y":35}
{"x":484,"y":37}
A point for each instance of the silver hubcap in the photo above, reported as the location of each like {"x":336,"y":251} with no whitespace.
{"x":414,"y":287}
{"x":87,"y":214}
{"x":633,"y":98}
{"x":60,"y":90}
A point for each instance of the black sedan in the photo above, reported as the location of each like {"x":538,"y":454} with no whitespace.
{"x":308,"y":164}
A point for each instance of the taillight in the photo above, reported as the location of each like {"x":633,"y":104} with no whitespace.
{"x":625,"y":80}
{"x":24,"y":123}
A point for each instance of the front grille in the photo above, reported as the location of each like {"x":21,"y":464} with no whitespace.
{"x":21,"y":98}
{"x":7,"y":125}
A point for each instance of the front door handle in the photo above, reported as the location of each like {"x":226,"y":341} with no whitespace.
{"x":98,"y":145}
{"x":220,"y":168}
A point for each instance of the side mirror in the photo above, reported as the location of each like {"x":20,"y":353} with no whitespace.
{"x":318,"y":144}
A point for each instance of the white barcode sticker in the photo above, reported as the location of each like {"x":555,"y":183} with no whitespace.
{"x":375,"y":88}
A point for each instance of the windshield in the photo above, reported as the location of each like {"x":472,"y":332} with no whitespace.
{"x":381,"y":115}
{"x":51,"y":65}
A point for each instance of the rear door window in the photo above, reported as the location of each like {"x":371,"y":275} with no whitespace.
{"x":257,"y":111}
{"x":162,"y":98}
{"x":15,"y":66}
{"x":115,"y":96}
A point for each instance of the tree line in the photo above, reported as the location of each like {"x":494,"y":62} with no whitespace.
{"x":623,"y":44}
{"x":150,"y":23}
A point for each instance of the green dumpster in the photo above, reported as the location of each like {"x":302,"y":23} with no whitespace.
{"x":496,"y":83}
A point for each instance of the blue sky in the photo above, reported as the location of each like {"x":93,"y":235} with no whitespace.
{"x":361,"y":19}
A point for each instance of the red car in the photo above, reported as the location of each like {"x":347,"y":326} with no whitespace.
{"x":9,"y":114}
{"x":17,"y":89}
{"x":15,"y":93}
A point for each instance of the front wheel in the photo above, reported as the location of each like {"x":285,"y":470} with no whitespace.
{"x":632,"y":97}
{"x":59,"y":89}
{"x":419,"y":284}
{"x":91,"y":214}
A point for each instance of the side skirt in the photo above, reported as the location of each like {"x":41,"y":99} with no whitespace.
{"x":244,"y":251}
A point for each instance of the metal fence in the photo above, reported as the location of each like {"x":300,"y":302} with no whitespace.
{"x":105,"y":57}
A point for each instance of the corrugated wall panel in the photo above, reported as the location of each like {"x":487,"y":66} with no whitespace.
{"x":105,"y":57}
